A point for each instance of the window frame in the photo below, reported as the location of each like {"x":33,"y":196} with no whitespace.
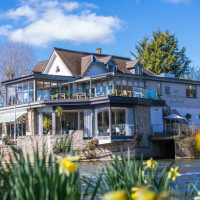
{"x":191,"y":91}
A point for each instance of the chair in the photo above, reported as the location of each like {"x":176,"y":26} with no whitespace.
{"x":124,"y":93}
{"x":118,"y":131}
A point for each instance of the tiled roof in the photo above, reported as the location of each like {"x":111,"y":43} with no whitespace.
{"x":131,"y":64}
{"x":105,"y":59}
{"x":73,"y":60}
{"x":148,"y":72}
{"x":40,"y":67}
{"x":85,"y":62}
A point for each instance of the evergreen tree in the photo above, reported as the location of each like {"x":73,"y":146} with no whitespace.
{"x":162,"y":55}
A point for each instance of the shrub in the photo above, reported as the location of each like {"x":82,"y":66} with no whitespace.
{"x":188,"y":116}
{"x":63,"y":145}
{"x":92,"y":145}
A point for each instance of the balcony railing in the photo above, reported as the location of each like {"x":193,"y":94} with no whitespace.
{"x":98,"y":92}
{"x":89,"y":93}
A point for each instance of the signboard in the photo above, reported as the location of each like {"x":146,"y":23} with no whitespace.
{"x":104,"y":139}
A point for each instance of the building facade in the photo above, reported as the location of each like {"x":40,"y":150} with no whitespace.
{"x":109,"y":97}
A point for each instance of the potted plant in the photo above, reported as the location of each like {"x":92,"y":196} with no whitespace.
{"x":188,"y":116}
{"x":46,"y":123}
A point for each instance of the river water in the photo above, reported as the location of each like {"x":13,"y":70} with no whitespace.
{"x":188,"y":168}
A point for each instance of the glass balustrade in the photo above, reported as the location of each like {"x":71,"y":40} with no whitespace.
{"x":52,"y":90}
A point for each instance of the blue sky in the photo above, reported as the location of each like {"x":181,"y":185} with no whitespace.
{"x":114,"y":25}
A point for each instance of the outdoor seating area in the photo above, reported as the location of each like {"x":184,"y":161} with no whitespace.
{"x":50,"y":90}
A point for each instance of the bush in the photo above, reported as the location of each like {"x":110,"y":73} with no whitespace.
{"x":188,"y":116}
{"x":92,"y":145}
{"x":63,"y":145}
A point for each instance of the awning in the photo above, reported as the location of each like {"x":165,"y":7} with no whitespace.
{"x":173,"y":116}
{"x":11,"y":117}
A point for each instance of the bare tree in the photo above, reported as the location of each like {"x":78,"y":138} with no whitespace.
{"x":194,"y":73}
{"x":16,"y":59}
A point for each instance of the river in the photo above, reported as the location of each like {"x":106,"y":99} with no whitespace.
{"x":188,"y":168}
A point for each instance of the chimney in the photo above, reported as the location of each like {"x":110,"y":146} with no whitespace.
{"x":99,"y":51}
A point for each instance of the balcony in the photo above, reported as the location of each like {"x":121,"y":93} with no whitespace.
{"x":89,"y":87}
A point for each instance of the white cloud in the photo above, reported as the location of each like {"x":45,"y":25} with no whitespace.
{"x":4,"y":30}
{"x":57,"y":22}
{"x":23,"y":11}
{"x":177,"y":1}
{"x":70,"y":6}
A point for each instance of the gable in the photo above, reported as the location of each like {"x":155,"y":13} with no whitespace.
{"x":95,"y":68}
{"x":56,"y":66}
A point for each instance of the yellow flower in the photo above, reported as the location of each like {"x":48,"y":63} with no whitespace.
{"x":142,"y":174}
{"x":197,"y":197}
{"x":151,"y":163}
{"x":66,"y":166}
{"x":198,"y":141}
{"x":143,"y":193}
{"x":173,"y":173}
{"x":116,"y":195}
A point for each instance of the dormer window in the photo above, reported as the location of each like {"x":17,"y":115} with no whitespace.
{"x":57,"y":69}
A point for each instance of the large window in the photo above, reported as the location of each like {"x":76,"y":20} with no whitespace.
{"x":31,"y":91}
{"x":40,"y":91}
{"x":191,"y":91}
{"x":46,"y":91}
{"x":122,"y":121}
{"x":102,"y":121}
{"x":25,"y":92}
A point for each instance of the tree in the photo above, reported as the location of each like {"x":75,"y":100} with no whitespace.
{"x":59,"y":113}
{"x":16,"y":59}
{"x":194,"y":73}
{"x":47,"y":123}
{"x":161,"y":54}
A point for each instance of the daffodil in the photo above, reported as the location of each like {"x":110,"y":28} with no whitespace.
{"x":173,"y":173}
{"x":151,"y":163}
{"x":66,"y":166}
{"x":142,"y":174}
{"x":143,"y":193}
{"x":116,"y":195}
{"x":198,"y":141}
{"x":197,"y":197}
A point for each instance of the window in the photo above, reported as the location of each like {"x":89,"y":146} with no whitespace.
{"x":191,"y":91}
{"x":159,"y":88}
{"x":57,"y":69}
{"x":167,"y":90}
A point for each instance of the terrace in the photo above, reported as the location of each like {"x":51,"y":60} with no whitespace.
{"x":36,"y":88}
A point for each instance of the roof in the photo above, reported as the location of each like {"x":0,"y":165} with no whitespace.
{"x":148,"y":72}
{"x":131,"y":64}
{"x":85,"y":62}
{"x":105,"y":59}
{"x":40,"y":67}
{"x":73,"y":60}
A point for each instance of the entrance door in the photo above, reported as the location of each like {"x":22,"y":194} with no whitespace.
{"x":156,"y":120}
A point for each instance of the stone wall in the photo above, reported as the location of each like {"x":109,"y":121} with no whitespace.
{"x":29,"y":143}
{"x":143,"y":124}
{"x":31,"y":122}
{"x":185,"y":147}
